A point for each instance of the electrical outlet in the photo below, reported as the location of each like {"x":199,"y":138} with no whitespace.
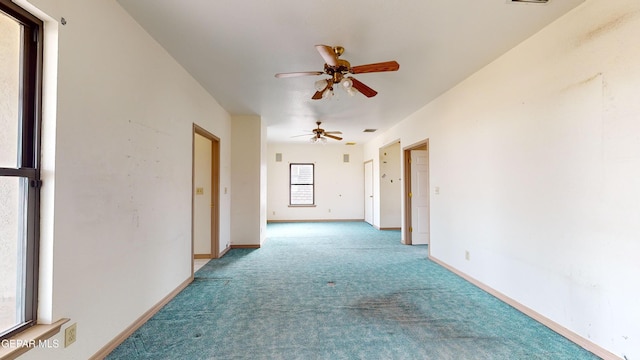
{"x":467,"y":255}
{"x":70,"y":335}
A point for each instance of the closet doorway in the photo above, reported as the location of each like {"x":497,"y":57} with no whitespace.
{"x":205,"y":194}
{"x":417,"y":208}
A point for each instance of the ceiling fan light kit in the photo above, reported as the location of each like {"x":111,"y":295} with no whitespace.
{"x":315,"y":139}
{"x":338,"y":69}
{"x":320,"y":85}
{"x":346,"y":83}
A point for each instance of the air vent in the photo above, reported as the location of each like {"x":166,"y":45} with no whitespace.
{"x":350,"y":143}
{"x":370,"y":130}
{"x":530,"y":1}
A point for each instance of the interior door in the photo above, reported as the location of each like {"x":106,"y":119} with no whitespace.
{"x":368,"y":192}
{"x":419,"y":197}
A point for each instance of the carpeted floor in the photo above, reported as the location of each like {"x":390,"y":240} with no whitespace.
{"x":338,"y":291}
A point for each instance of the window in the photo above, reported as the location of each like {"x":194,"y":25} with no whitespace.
{"x":301,"y":190}
{"x":20,"y":59}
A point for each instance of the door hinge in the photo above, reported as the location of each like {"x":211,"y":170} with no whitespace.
{"x":410,"y":194}
{"x":35,"y":184}
{"x":410,"y":229}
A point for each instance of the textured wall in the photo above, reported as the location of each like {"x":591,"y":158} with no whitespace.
{"x":536,"y":158}
{"x":120,"y":213}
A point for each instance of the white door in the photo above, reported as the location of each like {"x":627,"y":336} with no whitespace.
{"x":419,"y":197}
{"x":368,"y":192}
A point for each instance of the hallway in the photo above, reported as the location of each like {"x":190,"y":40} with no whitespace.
{"x":338,"y":291}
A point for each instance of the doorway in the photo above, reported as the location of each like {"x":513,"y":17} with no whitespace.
{"x":205,"y":194}
{"x":368,"y":192}
{"x":417,"y":216}
{"x":390,"y":188}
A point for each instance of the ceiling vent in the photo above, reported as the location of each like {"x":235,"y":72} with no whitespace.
{"x":529,"y":1}
{"x":350,"y":143}
{"x":370,"y":130}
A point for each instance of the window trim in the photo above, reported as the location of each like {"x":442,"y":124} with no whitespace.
{"x":313,"y":185}
{"x":29,"y":161}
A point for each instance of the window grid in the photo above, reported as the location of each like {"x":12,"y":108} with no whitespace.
{"x":301,"y":184}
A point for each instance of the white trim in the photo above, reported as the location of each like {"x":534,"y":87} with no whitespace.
{"x":111,"y":345}
{"x":577,"y":339}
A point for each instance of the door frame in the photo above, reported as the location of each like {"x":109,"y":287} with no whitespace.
{"x":422,"y":145}
{"x":215,"y":192}
{"x":365,"y":192}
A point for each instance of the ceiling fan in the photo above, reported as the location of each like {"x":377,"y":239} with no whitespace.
{"x":339,"y":69}
{"x":320,"y":135}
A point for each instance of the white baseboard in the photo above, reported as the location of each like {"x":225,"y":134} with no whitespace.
{"x":572,"y":336}
{"x":111,"y":345}
{"x":315,"y":220}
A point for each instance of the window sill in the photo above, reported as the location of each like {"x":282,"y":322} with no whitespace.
{"x":32,"y":337}
{"x":294,"y":206}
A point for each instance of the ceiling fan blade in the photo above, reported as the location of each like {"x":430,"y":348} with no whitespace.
{"x":299,"y":73}
{"x":295,"y":136}
{"x":377,"y":67}
{"x":328,"y":55}
{"x":364,"y":89}
{"x":333,"y":137}
{"x":333,"y":132}
{"x":317,"y":95}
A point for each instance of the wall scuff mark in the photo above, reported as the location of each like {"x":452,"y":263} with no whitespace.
{"x":608,"y":26}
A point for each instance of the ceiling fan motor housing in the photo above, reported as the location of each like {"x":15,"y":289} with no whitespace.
{"x":337,"y":72}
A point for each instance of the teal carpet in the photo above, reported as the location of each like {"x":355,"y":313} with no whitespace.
{"x":338,"y":291}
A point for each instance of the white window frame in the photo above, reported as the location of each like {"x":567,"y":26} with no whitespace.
{"x":293,"y":184}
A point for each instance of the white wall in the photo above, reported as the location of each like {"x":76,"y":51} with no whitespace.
{"x":339,"y":186}
{"x":120,"y":239}
{"x":248,"y":218}
{"x":537,"y":158}
{"x":390,"y":186}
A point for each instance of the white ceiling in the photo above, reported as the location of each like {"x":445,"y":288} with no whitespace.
{"x":234,"y":48}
